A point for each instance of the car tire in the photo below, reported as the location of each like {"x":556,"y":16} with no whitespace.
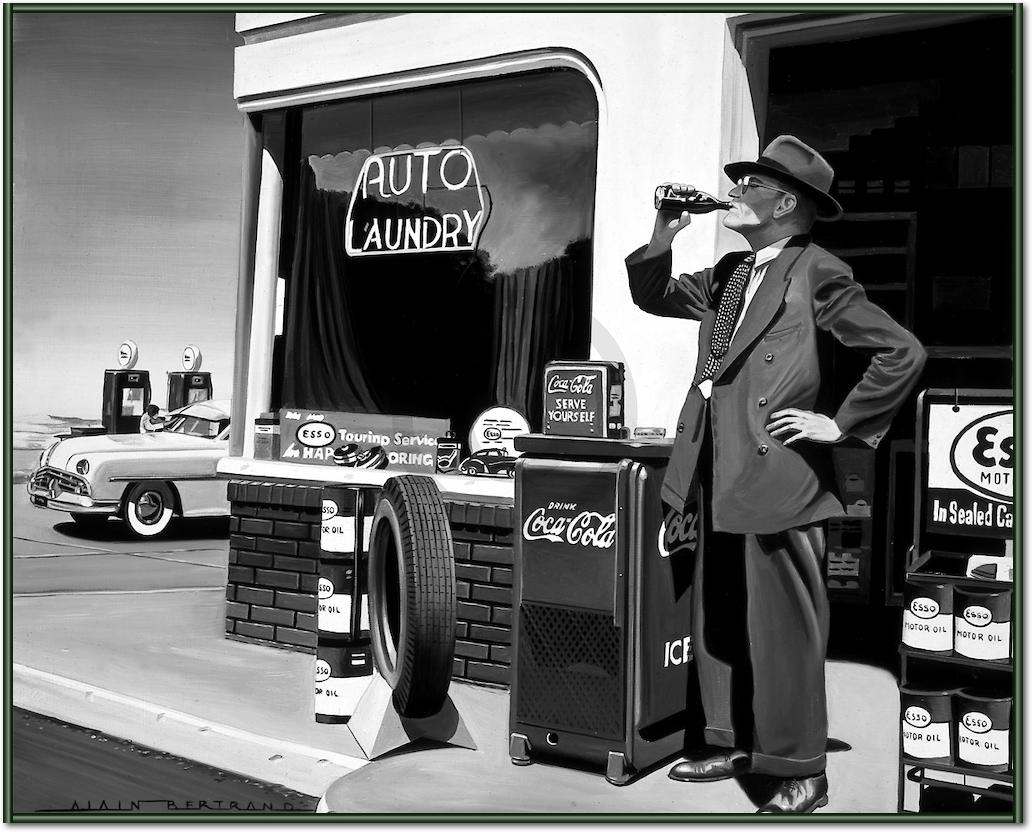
{"x":90,"y":521}
{"x":148,"y":508}
{"x":412,"y":606}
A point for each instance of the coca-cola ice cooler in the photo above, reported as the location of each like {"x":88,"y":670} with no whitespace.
{"x":601,"y":638}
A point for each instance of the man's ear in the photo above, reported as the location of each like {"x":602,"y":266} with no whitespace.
{"x":786,"y":205}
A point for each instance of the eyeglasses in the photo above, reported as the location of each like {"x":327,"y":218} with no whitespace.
{"x":747,"y":182}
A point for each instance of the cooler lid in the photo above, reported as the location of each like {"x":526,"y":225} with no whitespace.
{"x":538,"y":444}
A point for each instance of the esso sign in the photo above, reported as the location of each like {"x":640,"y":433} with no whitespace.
{"x":978,"y":616}
{"x":128,"y":355}
{"x":924,"y":607}
{"x":498,"y":427}
{"x":976,"y":722}
{"x":316,"y":434}
{"x":982,"y":456}
{"x":325,"y":588}
{"x":917,"y":716}
{"x":329,"y":509}
{"x":191,"y":358}
{"x":322,"y":670}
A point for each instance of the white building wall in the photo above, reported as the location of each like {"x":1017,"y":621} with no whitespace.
{"x":673,"y":106}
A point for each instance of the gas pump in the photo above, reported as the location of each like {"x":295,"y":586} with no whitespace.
{"x":127,"y":392}
{"x":190,"y":386}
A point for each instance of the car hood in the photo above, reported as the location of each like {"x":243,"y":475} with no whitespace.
{"x":125,"y":443}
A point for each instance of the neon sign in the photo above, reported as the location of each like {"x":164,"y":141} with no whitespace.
{"x":416,"y":201}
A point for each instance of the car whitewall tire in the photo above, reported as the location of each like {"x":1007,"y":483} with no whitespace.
{"x":148,"y":509}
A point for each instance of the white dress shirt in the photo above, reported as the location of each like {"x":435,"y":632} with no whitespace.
{"x":764,"y":257}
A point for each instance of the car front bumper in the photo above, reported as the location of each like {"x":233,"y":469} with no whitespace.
{"x":45,"y":491}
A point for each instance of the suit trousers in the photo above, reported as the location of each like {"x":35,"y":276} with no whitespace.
{"x":760,"y":620}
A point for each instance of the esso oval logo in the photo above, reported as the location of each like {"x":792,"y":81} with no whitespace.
{"x":322,"y":670}
{"x":127,"y":355}
{"x":982,"y":456}
{"x":329,"y":509}
{"x":917,"y":716}
{"x":498,"y":427}
{"x":924,"y":607}
{"x":978,"y":616}
{"x":316,"y":434}
{"x":325,"y":588}
{"x":977,"y":722}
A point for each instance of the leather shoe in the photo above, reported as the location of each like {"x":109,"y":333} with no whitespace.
{"x":798,"y":795}
{"x":717,"y":766}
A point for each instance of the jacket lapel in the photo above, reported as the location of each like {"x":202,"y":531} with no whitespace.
{"x":765,"y":303}
{"x":705,"y":336}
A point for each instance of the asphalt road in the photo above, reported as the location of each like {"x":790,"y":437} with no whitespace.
{"x":54,"y":555}
{"x":64,"y":768}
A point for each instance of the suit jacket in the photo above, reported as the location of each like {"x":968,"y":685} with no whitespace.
{"x":760,"y":485}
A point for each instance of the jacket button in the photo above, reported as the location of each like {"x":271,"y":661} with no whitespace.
{"x":768,"y":357}
{"x":762,"y":401}
{"x":680,"y":427}
{"x":762,"y":450}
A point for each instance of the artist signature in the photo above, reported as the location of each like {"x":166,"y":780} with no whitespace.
{"x":163,"y":805}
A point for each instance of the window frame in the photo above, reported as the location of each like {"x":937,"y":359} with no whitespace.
{"x":264,"y":200}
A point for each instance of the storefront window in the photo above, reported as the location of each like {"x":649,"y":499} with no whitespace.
{"x":439,"y":247}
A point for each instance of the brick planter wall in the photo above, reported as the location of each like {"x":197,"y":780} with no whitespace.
{"x":273,"y":563}
{"x":483,"y":585}
{"x":274,"y":574}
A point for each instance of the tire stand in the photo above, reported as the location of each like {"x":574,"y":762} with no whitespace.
{"x":379,"y":728}
{"x":413,"y":561}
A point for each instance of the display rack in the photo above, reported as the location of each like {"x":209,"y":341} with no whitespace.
{"x":930,"y":562}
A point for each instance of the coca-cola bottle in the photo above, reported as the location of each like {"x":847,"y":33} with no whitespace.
{"x":695,"y":202}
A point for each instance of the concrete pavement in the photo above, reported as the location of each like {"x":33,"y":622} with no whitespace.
{"x":127,"y":637}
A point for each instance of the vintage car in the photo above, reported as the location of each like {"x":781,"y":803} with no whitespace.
{"x":493,"y":461}
{"x":142,"y":478}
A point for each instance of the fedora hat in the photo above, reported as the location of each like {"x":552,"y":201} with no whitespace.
{"x":794,"y":163}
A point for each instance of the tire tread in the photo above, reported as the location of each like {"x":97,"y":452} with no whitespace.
{"x":425,"y":660}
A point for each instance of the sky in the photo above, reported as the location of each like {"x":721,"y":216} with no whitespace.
{"x":126,"y":196}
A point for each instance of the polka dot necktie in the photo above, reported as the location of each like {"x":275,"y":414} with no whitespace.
{"x":727,"y":315}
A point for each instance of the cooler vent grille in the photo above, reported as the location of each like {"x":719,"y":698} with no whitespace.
{"x":569,"y":671}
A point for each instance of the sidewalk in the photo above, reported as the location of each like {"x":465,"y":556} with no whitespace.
{"x":155,"y":668}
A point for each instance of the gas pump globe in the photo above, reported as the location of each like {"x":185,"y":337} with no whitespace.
{"x":191,"y":385}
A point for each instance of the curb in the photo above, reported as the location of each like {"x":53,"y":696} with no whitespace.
{"x":303,"y":768}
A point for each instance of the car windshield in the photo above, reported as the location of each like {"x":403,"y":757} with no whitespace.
{"x":196,"y":426}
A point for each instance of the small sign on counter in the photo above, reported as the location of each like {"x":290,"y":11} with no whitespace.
{"x":583,"y":398}
{"x":311,"y":437}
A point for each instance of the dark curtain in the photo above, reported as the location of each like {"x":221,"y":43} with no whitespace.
{"x":535,"y":322}
{"x":322,"y":364}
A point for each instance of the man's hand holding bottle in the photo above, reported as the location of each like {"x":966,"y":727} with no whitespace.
{"x":669,"y":221}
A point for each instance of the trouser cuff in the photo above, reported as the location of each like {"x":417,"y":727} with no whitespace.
{"x":720,"y":737}
{"x":788,"y":767}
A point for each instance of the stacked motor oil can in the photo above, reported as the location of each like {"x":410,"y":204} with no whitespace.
{"x":344,"y":664}
{"x":964,"y":726}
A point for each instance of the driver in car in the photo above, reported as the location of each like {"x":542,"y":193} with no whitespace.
{"x":151,"y":422}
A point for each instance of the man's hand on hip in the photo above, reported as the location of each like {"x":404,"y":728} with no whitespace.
{"x":803,"y":424}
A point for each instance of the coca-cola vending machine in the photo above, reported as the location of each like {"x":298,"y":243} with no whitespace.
{"x":601,"y":638}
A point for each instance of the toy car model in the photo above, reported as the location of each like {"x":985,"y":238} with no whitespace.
{"x":493,"y":461}
{"x":143,"y":479}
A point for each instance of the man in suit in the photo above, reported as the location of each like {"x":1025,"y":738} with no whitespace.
{"x":750,"y":437}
